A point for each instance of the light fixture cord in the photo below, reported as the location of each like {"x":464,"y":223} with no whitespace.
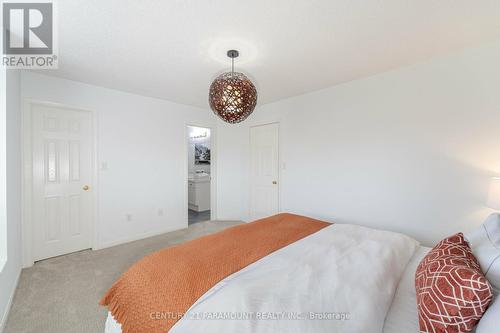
{"x":232,"y":66}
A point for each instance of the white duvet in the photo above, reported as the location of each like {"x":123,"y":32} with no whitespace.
{"x":340,"y":279}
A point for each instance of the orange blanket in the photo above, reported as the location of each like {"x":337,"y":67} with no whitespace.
{"x":150,"y":296}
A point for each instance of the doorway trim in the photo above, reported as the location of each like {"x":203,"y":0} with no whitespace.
{"x":27,"y":176}
{"x":213,"y":169}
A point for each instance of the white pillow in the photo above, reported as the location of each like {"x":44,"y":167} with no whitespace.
{"x":485,"y":245}
{"x":491,"y":318}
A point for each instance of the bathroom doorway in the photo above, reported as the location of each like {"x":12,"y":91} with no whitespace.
{"x":199,"y":174}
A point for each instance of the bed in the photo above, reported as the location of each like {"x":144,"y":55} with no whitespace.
{"x":318,"y":283}
{"x":401,"y":318}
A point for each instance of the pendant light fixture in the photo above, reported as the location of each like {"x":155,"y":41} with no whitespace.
{"x":232,"y":95}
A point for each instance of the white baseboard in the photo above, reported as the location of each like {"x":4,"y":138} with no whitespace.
{"x":9,"y":304}
{"x":135,"y":238}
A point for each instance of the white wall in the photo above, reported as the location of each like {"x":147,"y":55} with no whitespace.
{"x":141,"y":140}
{"x":410,"y":150}
{"x":12,"y":268}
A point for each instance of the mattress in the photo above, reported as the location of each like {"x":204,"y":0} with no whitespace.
{"x":402,"y":316}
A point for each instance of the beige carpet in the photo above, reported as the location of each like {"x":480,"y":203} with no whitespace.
{"x":62,"y":294}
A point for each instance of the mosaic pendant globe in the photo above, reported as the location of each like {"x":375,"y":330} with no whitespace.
{"x":232,"y":97}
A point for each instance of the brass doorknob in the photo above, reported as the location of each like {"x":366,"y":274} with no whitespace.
{"x":275,"y":182}
{"x":85,"y":187}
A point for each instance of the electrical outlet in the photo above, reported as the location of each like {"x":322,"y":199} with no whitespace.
{"x":129,"y":217}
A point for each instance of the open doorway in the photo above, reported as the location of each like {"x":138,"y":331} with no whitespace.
{"x":199,"y":174}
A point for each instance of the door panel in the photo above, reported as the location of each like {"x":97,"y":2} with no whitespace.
{"x":264,"y":170}
{"x":75,"y":215}
{"x":74,"y":161}
{"x":52,"y":219}
{"x":62,"y":166}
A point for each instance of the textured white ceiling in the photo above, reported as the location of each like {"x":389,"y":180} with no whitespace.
{"x":172,"y":49}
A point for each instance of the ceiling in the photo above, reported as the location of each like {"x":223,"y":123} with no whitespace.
{"x":174,"y":49}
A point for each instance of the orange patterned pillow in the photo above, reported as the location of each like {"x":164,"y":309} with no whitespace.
{"x":452,"y":292}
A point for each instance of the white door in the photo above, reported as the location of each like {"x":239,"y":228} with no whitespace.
{"x":264,"y":171}
{"x":62,"y":178}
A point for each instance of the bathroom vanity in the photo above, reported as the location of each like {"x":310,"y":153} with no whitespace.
{"x":199,"y":193}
